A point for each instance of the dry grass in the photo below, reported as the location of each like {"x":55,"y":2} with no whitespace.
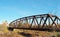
{"x":4,"y":32}
{"x":40,"y":33}
{"x":9,"y":34}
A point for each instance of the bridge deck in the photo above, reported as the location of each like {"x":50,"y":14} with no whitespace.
{"x":38,"y":29}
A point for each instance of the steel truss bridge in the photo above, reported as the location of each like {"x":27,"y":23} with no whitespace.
{"x":44,"y":22}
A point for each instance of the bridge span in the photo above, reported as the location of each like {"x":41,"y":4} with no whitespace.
{"x":44,"y":22}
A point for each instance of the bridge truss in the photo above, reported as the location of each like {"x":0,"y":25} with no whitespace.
{"x":36,"y":22}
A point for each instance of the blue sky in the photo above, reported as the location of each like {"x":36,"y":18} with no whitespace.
{"x":13,"y":9}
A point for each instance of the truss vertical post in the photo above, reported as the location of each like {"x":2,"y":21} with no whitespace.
{"x":37,"y":22}
{"x":49,"y":21}
{"x":57,"y":21}
{"x":32,"y":23}
{"x":41,"y":20}
{"x":44,"y":22}
{"x":26,"y":20}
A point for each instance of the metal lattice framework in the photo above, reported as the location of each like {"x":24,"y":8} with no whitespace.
{"x":36,"y":21}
